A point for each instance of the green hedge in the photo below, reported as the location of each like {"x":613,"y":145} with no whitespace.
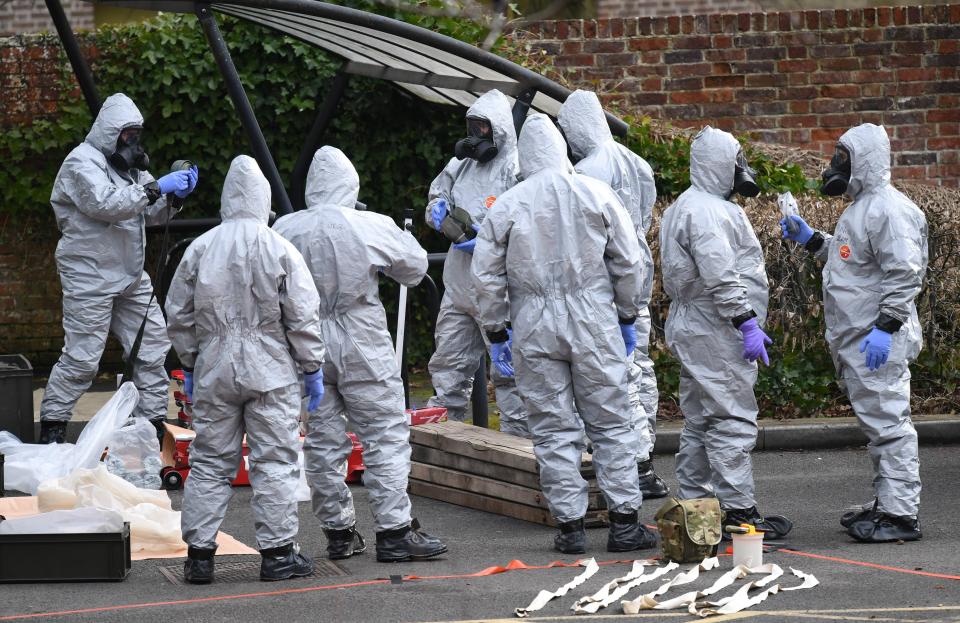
{"x":397,"y":142}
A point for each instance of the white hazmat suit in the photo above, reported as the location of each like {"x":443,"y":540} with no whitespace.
{"x":713,"y":272}
{"x":345,"y":249}
{"x":876,"y":260}
{"x":101,"y":213}
{"x":599,"y":156}
{"x":460,"y":343}
{"x":563,"y":247}
{"x":242,"y":312}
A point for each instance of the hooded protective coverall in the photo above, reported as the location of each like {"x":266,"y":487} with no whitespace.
{"x":242,"y":313}
{"x":101,"y":213}
{"x":345,"y":249}
{"x":460,"y":344}
{"x":875,"y":263}
{"x":563,"y":247}
{"x":713,"y":272}
{"x":599,"y":156}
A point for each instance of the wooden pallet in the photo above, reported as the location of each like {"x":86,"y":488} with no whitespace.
{"x":487,"y":470}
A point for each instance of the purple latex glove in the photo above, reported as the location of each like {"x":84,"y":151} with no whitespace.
{"x":188,"y":384}
{"x":755,"y":342}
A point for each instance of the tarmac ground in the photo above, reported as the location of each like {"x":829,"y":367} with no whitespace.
{"x":917,"y":581}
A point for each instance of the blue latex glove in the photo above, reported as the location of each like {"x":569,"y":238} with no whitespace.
{"x":314,"y":384}
{"x":502,"y":355}
{"x":629,"y":333}
{"x":877,"y":347}
{"x":188,"y":384}
{"x":437,"y":213}
{"x":803,"y":231}
{"x":194,"y":174}
{"x":755,"y":342}
{"x":173,"y":182}
{"x":468,"y":246}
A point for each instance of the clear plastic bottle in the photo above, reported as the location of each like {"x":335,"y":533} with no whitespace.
{"x":788,"y":208}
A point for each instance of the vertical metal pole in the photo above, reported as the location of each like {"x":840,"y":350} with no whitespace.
{"x":79,"y":64}
{"x":325,"y":114}
{"x":478,"y":399}
{"x":240,"y":101}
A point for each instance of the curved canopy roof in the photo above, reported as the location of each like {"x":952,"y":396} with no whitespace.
{"x":432,"y":66}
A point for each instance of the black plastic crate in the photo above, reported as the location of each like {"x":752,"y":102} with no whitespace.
{"x":16,"y":408}
{"x":101,"y":557}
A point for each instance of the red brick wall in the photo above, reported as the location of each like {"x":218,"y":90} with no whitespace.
{"x":642,"y":8}
{"x":799,"y":78}
{"x":27,"y":16}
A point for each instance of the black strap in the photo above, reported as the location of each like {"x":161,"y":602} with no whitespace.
{"x":173,"y":203}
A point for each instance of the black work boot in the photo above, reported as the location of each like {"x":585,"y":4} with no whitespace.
{"x":53,"y":431}
{"x":858,"y":513}
{"x":283,"y":563}
{"x":879,"y":527}
{"x":161,"y":425}
{"x":651,"y":485}
{"x":572,"y":538}
{"x":199,"y":566}
{"x":774,"y":527}
{"x":407,"y":543}
{"x":344,"y":543}
{"x":628,"y":534}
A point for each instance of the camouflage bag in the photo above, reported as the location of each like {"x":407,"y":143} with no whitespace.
{"x":689,"y":529}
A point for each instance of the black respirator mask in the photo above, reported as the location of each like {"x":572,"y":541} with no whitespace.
{"x":744,"y":178}
{"x":129,"y":153}
{"x":479,"y":143}
{"x":836,"y":178}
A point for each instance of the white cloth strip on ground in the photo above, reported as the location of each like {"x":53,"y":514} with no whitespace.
{"x":545,"y":596}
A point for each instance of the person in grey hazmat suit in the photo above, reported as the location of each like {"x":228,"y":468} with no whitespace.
{"x":713,"y":272}
{"x":243,"y":315}
{"x":596,"y":154}
{"x":346,"y":249}
{"x":102,"y":198}
{"x":875,"y":262}
{"x":485,"y":166}
{"x":563,"y":247}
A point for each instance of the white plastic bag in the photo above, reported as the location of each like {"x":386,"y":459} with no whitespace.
{"x":78,"y":521}
{"x":134,"y":454}
{"x":154,"y":526}
{"x":30,"y":464}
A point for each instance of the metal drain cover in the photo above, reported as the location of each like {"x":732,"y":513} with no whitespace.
{"x":250,"y":571}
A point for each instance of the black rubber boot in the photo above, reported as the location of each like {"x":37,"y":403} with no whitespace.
{"x":344,"y":543}
{"x":879,"y":527}
{"x":652,"y":486}
{"x":774,"y":527}
{"x":283,"y":563}
{"x":161,"y":425}
{"x":199,"y":566}
{"x":53,"y":431}
{"x":856,"y":514}
{"x":572,"y":538}
{"x":627,"y":534}
{"x":407,"y":543}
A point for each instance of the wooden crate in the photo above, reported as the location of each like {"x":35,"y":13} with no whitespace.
{"x":487,"y":470}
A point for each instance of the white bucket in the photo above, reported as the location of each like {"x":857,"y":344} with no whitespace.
{"x":748,"y":549}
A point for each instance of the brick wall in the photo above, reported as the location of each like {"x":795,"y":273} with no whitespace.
{"x":799,"y":78}
{"x":654,"y":8}
{"x":27,"y":16}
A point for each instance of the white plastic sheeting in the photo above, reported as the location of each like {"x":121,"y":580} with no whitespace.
{"x":27,"y":465}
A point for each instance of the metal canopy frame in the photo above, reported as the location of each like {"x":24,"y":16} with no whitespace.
{"x":431,"y":66}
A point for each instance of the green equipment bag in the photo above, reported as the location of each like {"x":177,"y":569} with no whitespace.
{"x":689,"y":529}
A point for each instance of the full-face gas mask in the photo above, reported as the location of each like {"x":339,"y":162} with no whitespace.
{"x":836,"y":178}
{"x":129,"y":152}
{"x":744,"y":178}
{"x":479,"y":143}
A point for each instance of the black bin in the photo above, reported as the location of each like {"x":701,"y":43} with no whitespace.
{"x":16,"y":405}
{"x":65,"y":557}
